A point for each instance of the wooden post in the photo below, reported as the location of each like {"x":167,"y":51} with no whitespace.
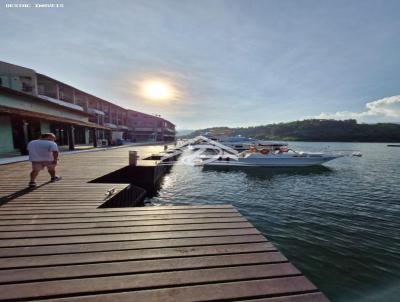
{"x":86,"y":103}
{"x":71,"y":137}
{"x":133,"y":158}
{"x":95,"y":137}
{"x":57,"y":91}
{"x":25,"y":139}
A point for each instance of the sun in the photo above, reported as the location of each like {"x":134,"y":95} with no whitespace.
{"x":157,"y":91}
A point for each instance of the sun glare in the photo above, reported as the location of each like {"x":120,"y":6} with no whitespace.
{"x":157,"y":91}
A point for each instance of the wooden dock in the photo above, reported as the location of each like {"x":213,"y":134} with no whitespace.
{"x":57,"y":245}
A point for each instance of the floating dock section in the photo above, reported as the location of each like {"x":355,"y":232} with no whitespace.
{"x":59,"y":244}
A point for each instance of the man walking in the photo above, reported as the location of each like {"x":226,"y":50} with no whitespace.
{"x":43,"y":153}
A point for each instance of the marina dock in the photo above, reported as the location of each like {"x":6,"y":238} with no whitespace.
{"x":59,"y":243}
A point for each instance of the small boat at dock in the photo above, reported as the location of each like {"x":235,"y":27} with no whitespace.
{"x":268,"y":155}
{"x":288,"y":159}
{"x":241,"y":143}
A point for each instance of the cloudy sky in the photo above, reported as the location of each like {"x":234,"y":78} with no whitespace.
{"x":233,"y":63}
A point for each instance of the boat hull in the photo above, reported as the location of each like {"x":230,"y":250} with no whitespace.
{"x":275,"y":161}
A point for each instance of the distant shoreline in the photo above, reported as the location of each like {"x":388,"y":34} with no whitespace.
{"x":313,"y":130}
{"x":315,"y":141}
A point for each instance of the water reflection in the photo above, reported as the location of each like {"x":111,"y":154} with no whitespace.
{"x":269,"y":173}
{"x":339,"y":223}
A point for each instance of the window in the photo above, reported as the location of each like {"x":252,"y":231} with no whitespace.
{"x":26,"y":83}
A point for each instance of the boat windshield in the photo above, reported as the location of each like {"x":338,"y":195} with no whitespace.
{"x":236,"y":139}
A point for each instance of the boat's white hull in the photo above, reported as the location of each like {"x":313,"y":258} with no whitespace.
{"x":274,"y":161}
{"x":262,"y":154}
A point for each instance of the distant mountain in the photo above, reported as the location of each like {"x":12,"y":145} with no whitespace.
{"x":314,"y":130}
{"x":183,"y":132}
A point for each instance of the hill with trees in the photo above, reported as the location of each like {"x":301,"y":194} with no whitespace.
{"x":314,"y":130}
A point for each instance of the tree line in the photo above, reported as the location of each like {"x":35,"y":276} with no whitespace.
{"x":313,"y":130}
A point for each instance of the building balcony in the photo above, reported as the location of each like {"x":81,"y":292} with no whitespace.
{"x":111,"y":126}
{"x":122,"y":127}
{"x":60,"y":102}
{"x":95,"y":111}
{"x":143,"y":129}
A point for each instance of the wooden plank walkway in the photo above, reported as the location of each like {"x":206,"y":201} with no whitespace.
{"x":57,"y":245}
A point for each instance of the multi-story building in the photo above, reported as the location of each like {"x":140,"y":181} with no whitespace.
{"x":147,"y":127}
{"x":32,"y":103}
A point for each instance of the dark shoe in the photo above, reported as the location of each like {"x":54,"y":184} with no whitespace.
{"x":55,"y":178}
{"x":32,"y":184}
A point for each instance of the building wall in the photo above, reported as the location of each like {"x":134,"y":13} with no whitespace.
{"x":18,"y":78}
{"x":27,"y":104}
{"x":6,"y":140}
{"x":21,"y":78}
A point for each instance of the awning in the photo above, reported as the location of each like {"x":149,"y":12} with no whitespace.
{"x":111,"y":126}
{"x":60,"y":102}
{"x":95,"y":111}
{"x":123,"y":127}
{"x":55,"y":103}
{"x":49,"y":117}
{"x":144,"y":129}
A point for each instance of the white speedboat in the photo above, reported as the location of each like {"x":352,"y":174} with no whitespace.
{"x":272,"y":156}
{"x":237,"y":143}
{"x":240,"y":143}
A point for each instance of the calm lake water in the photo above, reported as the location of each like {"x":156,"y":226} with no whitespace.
{"x":338,"y":223}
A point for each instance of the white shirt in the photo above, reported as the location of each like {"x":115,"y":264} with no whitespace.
{"x":41,"y":150}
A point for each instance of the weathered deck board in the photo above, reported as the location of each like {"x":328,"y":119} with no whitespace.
{"x":114,"y":224}
{"x":226,"y":291}
{"x":125,"y":237}
{"x":132,"y":267}
{"x":57,"y":245}
{"x":78,"y":258}
{"x":125,"y":217}
{"x":144,"y":281}
{"x":128,"y":245}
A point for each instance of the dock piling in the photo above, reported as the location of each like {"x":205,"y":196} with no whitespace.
{"x":133,"y":157}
